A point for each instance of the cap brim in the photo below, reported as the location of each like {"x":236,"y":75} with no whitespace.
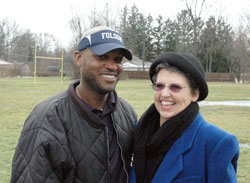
{"x":102,"y":49}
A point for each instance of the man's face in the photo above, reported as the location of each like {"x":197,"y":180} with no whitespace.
{"x":100,"y":74}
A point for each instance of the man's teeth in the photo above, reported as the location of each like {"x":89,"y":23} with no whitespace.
{"x":166,"y":103}
{"x":109,"y":76}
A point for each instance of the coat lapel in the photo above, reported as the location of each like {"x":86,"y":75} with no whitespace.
{"x":172,"y":164}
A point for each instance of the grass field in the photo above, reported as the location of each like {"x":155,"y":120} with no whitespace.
{"x":18,"y":96}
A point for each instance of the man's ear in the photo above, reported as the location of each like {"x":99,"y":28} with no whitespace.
{"x":78,"y":58}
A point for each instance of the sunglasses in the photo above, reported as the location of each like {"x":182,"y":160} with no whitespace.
{"x":175,"y":88}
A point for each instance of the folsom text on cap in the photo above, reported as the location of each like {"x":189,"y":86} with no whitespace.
{"x":110,"y":35}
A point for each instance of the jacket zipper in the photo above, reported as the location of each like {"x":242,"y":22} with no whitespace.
{"x":124,"y":166}
{"x":107,"y":141}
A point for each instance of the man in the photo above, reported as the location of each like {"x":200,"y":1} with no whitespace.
{"x":83,"y":134}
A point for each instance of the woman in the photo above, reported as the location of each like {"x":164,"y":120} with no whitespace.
{"x":173,"y":143}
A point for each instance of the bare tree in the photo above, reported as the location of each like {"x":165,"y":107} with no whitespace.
{"x":195,"y":14}
{"x":24,"y":49}
{"x":46,"y":44}
{"x":241,"y":51}
{"x":77,"y":27}
{"x":109,"y":17}
{"x":9,"y":32}
{"x":105,"y":17}
{"x":95,"y":18}
{"x":241,"y":55}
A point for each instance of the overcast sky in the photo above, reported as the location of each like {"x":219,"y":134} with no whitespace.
{"x":52,"y":16}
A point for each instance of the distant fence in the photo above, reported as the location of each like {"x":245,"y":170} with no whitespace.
{"x":135,"y":75}
{"x":6,"y":70}
{"x":11,"y":70}
{"x":216,"y":77}
{"x":220,"y":77}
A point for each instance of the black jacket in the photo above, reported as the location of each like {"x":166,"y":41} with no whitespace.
{"x":63,"y":142}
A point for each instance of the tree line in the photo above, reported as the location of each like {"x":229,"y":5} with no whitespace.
{"x":219,"y":46}
{"x":214,"y":42}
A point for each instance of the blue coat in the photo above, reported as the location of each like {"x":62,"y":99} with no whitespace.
{"x":203,"y":154}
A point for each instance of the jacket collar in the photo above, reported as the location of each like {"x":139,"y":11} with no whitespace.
{"x":173,"y":161}
{"x":81,"y":108}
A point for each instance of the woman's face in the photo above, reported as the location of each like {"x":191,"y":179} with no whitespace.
{"x":172,"y":94}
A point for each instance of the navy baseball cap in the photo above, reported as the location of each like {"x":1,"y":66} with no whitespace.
{"x":101,"y":40}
